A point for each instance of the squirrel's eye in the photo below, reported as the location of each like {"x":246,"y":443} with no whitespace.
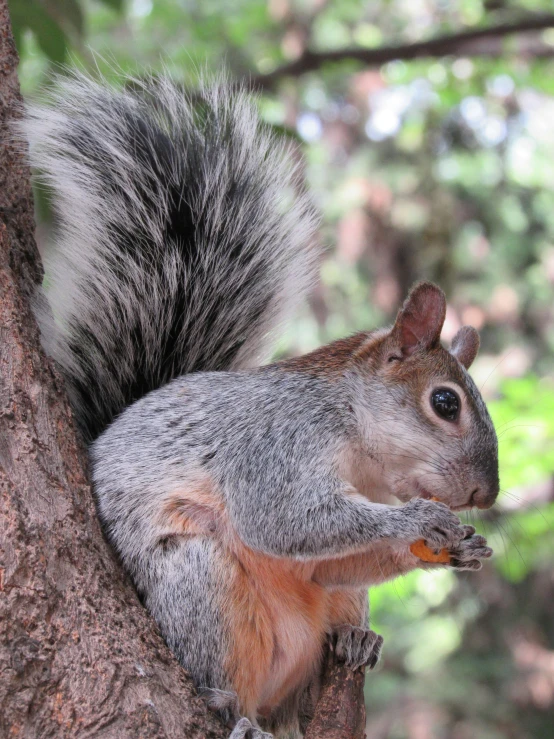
{"x":446,"y":403}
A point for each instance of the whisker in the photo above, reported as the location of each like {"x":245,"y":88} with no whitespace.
{"x":511,"y":519}
{"x":496,"y":366}
{"x":524,"y":503}
{"x":504,"y":547}
{"x":519,"y":426}
{"x":505,"y":423}
{"x":483,"y":523}
{"x":512,"y":542}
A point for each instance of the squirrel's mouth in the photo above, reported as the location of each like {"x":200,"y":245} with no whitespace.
{"x":464,"y":507}
{"x":424,"y":493}
{"x":427,"y":495}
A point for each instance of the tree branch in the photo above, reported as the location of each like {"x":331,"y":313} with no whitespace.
{"x":340,"y":710}
{"x":467,"y":43}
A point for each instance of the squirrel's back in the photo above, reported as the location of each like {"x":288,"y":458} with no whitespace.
{"x":183,"y":236}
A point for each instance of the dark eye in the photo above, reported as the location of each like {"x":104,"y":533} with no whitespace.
{"x":446,"y":403}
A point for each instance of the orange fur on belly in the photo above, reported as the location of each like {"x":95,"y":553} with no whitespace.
{"x":277,"y":620}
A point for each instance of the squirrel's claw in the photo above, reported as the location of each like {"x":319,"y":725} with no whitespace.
{"x":473,"y":547}
{"x":244,"y":729}
{"x":472,"y":564}
{"x":469,"y":552}
{"x":357,"y":646}
{"x":226,"y":704}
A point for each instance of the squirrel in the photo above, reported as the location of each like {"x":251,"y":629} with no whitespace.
{"x":249,"y":502}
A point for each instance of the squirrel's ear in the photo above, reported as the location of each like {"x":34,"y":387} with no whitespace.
{"x":465,"y":345}
{"x":419,"y":321}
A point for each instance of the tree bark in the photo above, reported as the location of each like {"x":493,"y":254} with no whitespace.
{"x":79,"y":655}
{"x":340,"y":710}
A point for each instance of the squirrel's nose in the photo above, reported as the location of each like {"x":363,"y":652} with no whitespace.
{"x":483,"y":497}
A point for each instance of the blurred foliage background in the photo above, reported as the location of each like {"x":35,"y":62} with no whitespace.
{"x":429,"y":145}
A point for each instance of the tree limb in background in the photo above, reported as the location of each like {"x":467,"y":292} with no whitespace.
{"x":79,"y":655}
{"x":465,"y":43}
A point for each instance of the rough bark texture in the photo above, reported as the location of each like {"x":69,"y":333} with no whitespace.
{"x":340,"y":711}
{"x":79,"y":656}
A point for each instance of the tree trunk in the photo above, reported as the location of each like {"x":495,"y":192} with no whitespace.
{"x":79,"y":655}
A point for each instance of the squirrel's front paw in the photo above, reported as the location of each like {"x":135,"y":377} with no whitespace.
{"x":469,"y":551}
{"x":434,"y":523}
{"x":357,"y":646}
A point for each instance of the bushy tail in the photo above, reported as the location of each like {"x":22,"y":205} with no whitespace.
{"x":182,"y":241}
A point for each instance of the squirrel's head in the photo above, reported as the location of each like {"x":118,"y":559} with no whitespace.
{"x":422,"y":419}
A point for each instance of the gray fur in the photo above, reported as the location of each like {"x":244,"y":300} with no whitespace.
{"x":168,"y":578}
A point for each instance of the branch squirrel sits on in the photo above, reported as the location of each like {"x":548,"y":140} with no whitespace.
{"x":247,"y":502}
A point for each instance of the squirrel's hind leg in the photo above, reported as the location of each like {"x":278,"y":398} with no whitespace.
{"x":226,"y":704}
{"x":223,"y":702}
{"x":352,"y":639}
{"x":291,"y":718}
